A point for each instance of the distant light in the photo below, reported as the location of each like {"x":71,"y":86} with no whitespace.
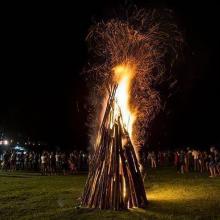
{"x":5,"y":142}
{"x":1,"y":142}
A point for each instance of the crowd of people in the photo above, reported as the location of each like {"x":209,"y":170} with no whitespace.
{"x":49,"y":163}
{"x":187,"y":160}
{"x":52,"y":163}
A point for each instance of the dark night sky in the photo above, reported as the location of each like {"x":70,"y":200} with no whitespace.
{"x":44,"y":50}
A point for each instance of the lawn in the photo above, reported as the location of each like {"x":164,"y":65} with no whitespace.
{"x":170,"y":195}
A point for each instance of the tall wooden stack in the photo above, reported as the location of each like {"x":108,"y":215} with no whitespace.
{"x":114,"y":179}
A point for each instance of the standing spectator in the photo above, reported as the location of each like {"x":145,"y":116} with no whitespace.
{"x":6,"y":161}
{"x":13,"y":161}
{"x":153,"y":160}
{"x":206,"y":160}
{"x":26,"y":160}
{"x":177,"y":162}
{"x":195,"y":155}
{"x":72,"y":164}
{"x":64,"y":162}
{"x":52,"y":163}
{"x":201,"y":162}
{"x":30,"y":161}
{"x":18,"y":162}
{"x":22,"y":159}
{"x":187,"y":161}
{"x":190,"y":159}
{"x":58,"y":161}
{"x":43,"y":164}
{"x":182,"y":161}
{"x":212,"y":163}
{"x":217,"y":161}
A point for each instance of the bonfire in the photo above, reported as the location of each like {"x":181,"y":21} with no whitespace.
{"x":132,"y":56}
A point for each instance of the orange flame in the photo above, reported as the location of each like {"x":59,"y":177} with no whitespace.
{"x":124,"y":74}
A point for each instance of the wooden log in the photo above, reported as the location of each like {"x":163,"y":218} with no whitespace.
{"x":117,"y":140}
{"x":136,"y":178}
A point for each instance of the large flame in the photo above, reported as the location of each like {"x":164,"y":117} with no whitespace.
{"x":123,"y":77}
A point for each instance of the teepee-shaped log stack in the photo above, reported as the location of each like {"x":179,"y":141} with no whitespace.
{"x":114,"y":179}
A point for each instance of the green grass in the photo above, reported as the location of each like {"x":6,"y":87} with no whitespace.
{"x":170,"y":195}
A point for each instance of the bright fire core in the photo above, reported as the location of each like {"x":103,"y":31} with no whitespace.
{"x":123,"y":76}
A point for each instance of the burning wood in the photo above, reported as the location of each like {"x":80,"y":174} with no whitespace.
{"x":114,"y":180}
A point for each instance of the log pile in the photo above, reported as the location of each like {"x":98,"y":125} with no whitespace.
{"x":114,"y":179}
